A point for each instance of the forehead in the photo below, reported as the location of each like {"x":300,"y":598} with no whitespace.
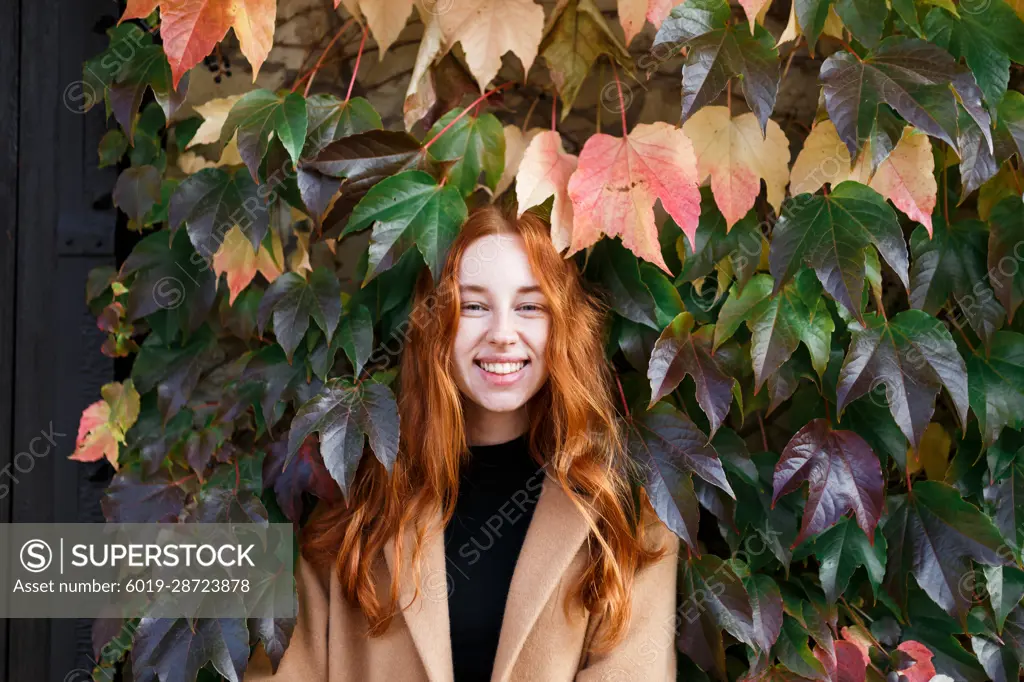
{"x":496,"y":261}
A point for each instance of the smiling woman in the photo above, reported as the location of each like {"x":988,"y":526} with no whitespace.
{"x":529,"y":559}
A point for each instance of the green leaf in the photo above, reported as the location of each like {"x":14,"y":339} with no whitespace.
{"x":258,"y":115}
{"x":136,"y":191}
{"x":577,"y":37}
{"x":977,"y":164}
{"x":174,"y":369}
{"x":212,"y":201}
{"x":405,"y":210}
{"x":330,"y":118}
{"x":711,"y":590}
{"x":293,"y":301}
{"x":1009,"y":134}
{"x":912,"y":355}
{"x":841,"y":550}
{"x":741,"y":245}
{"x":1005,"y":587}
{"x":766,"y":608}
{"x":474,"y":144}
{"x":933,"y":534}
{"x":996,"y":384}
{"x":134,"y":498}
{"x":915,"y":78}
{"x":719,"y":51}
{"x":1006,"y":500}
{"x":830,"y":233}
{"x":671,"y":448}
{"x":1005,"y":256}
{"x":681,"y":350}
{"x":126,"y":41}
{"x":951,"y":262}
{"x":112,"y":147}
{"x":793,"y":651}
{"x":146,"y":68}
{"x":176,"y":648}
{"x":346,"y":415}
{"x":667,"y":302}
{"x":779,"y":323}
{"x":988,"y":34}
{"x":356,"y":336}
{"x":843,"y":475}
{"x":170,"y":279}
{"x":616,"y":272}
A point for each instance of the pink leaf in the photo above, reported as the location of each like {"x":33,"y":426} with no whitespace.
{"x":545,"y":171}
{"x":618,"y":180}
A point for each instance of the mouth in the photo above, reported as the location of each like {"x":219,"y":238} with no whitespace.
{"x":502,"y":368}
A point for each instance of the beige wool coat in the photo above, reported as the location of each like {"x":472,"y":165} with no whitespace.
{"x":537,"y":643}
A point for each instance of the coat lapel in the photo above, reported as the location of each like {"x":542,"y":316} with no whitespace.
{"x":427,"y":619}
{"x":556,"y":532}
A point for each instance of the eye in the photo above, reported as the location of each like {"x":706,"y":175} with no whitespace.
{"x":532,"y":308}
{"x":472,"y":307}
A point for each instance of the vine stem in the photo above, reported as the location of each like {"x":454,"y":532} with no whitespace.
{"x":465,"y":111}
{"x":320,"y":61}
{"x":945,"y":192}
{"x":554,"y":103}
{"x":622,"y":102}
{"x":849,"y":49}
{"x":728,"y":97}
{"x":764,"y":435}
{"x":355,"y":70}
{"x":529,"y":112}
{"x":789,"y":61}
{"x":952,"y":318}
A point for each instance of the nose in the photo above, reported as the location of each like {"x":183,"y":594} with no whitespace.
{"x":502,"y":331}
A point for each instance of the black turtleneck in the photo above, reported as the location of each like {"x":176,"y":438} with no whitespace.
{"x":498,"y":490}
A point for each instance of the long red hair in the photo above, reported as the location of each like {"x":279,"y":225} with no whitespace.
{"x":572,"y":423}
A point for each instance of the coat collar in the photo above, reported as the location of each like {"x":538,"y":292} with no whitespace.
{"x":556,"y":532}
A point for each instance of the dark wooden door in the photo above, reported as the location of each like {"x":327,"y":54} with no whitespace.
{"x":56,"y":223}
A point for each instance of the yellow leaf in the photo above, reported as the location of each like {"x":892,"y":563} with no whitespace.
{"x":933,"y":456}
{"x":420,"y":96}
{"x":214,"y":113}
{"x":516,"y":142}
{"x":488,"y":29}
{"x":104,"y":423}
{"x":236,"y":259}
{"x":254,"y":21}
{"x":906,"y":177}
{"x":385,"y":18}
{"x":736,"y":156}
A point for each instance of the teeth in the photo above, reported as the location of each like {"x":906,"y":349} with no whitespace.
{"x":502,"y":367}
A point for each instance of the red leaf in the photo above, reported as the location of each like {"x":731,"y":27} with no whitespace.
{"x":843,"y":472}
{"x":922,"y":670}
{"x":617,"y":181}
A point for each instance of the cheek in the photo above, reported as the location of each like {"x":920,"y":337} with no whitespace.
{"x":466,"y":337}
{"x":536,"y":336}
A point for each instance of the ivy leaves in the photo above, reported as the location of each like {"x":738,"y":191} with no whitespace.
{"x":406,"y":209}
{"x":912,"y":355}
{"x":917,"y":79}
{"x":830,"y":233}
{"x":932,"y":533}
{"x":718,"y":51}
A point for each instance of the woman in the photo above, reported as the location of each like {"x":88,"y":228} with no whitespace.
{"x":504,"y":545}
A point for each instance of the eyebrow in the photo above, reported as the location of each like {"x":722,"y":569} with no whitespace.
{"x":477,"y":289}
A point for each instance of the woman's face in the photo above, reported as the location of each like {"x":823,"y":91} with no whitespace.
{"x":503,"y":327}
